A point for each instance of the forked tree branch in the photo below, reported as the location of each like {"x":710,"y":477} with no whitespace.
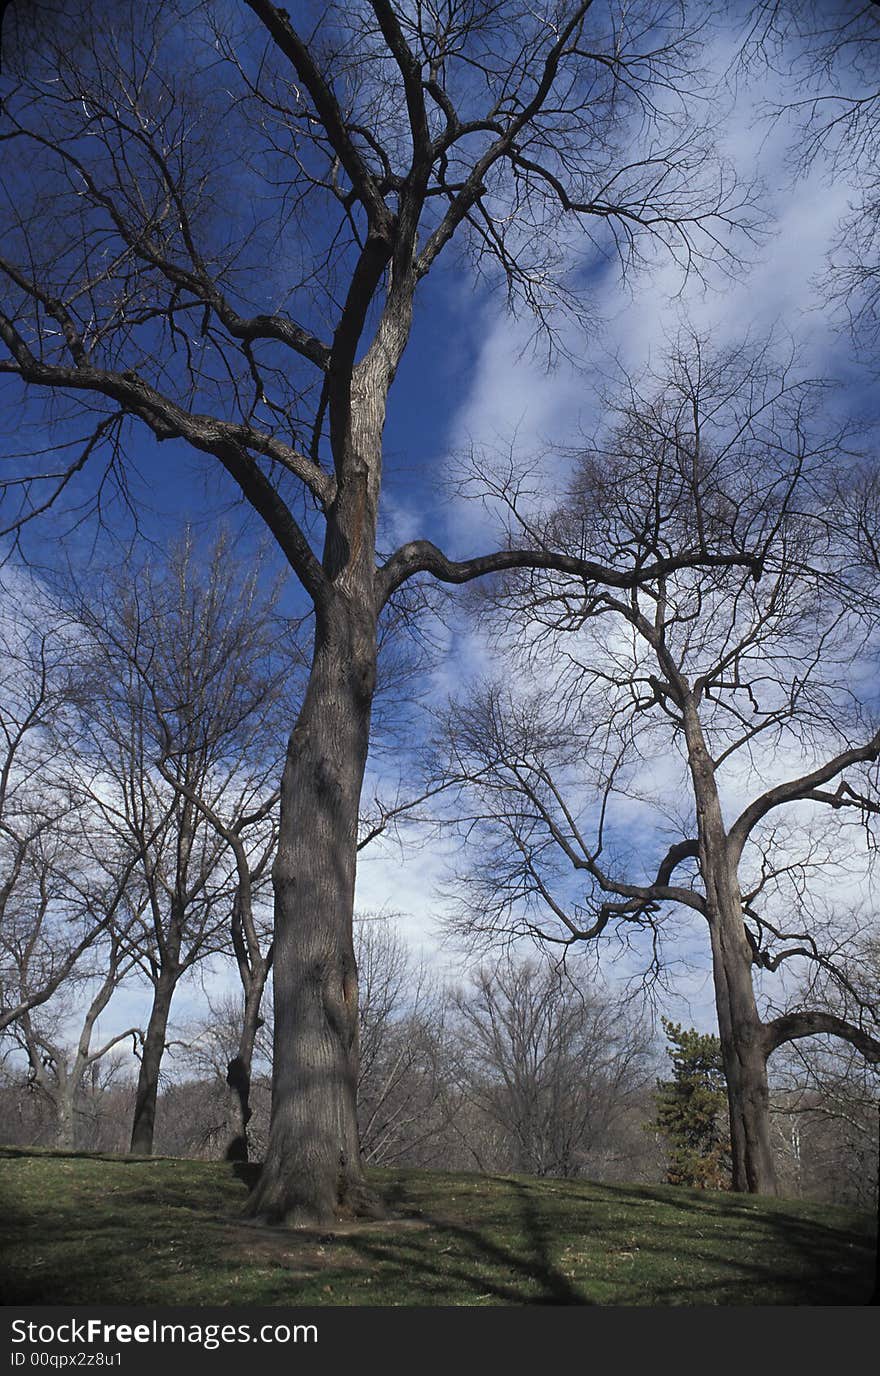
{"x":804,"y":788}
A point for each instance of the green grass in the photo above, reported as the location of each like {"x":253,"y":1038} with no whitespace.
{"x":83,"y":1229}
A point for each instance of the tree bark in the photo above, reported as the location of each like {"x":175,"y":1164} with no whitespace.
{"x":65,"y":1123}
{"x":144,"y":1125}
{"x":312,"y":1171}
{"x":238,"y":1076}
{"x":744,"y":1047}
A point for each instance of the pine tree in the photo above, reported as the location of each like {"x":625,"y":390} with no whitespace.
{"x":692,"y":1110}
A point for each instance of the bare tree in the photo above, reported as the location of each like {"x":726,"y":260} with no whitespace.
{"x":53,"y":904}
{"x":704,"y":747}
{"x":550,"y":1060}
{"x":825,"y":1093}
{"x":824,"y":1099}
{"x":185,"y":743}
{"x":251,"y":837}
{"x":405,"y":1091}
{"x":829,"y":55}
{"x":103,"y":1106}
{"x":58,"y":1070}
{"x":144,"y":289}
{"x":252,"y":947}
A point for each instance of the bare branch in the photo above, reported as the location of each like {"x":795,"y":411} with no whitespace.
{"x":807,"y":786}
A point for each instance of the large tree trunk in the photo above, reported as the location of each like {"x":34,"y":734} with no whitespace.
{"x":65,"y":1123}
{"x":741,"y":1032}
{"x":312,"y":1171}
{"x":742,"y":1045}
{"x":144,"y":1124}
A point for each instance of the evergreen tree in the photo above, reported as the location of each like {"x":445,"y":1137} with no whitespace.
{"x":692,"y":1110}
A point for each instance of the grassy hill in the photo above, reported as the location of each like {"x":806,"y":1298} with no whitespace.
{"x":80,"y":1229}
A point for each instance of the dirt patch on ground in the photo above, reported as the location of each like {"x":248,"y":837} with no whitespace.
{"x":301,"y":1241}
{"x":306,"y":1251}
{"x":342,"y":1228}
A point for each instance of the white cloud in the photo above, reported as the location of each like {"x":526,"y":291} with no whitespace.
{"x":512,"y":393}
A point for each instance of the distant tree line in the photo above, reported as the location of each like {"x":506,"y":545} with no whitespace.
{"x":527,"y":1069}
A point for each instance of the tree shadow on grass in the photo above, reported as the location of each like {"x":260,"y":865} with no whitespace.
{"x":826,"y":1263}
{"x":507,"y":1241}
{"x":518,"y":1272}
{"x":778,"y":1257}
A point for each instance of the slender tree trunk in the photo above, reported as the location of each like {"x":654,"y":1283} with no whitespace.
{"x":144,"y":1124}
{"x":741,"y":1032}
{"x":57,"y":1085}
{"x":313,"y":1169}
{"x":238,"y":1074}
